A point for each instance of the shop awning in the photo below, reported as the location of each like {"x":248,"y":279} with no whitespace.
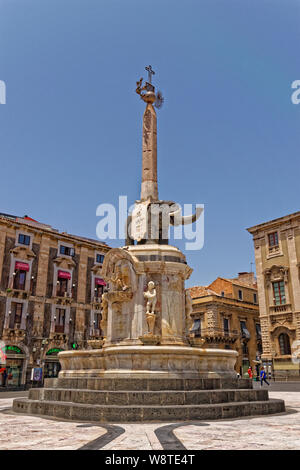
{"x":63,"y":275}
{"x":245,"y":333}
{"x":21,"y":266}
{"x":196,"y":326}
{"x":99,"y":282}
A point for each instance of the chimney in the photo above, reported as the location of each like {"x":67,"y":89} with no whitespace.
{"x":247,"y":278}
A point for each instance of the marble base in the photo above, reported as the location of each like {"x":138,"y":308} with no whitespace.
{"x":148,"y":361}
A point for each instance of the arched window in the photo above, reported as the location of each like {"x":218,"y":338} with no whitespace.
{"x":284,"y":344}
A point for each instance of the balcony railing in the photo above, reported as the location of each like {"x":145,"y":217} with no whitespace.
{"x":274,"y":249}
{"x":95,"y":332}
{"x":280,"y":308}
{"x":219,"y":335}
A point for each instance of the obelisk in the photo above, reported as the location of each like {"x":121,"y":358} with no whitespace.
{"x":149,"y":188}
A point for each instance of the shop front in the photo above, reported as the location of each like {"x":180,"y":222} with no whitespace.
{"x":52,"y":365}
{"x":13,"y":362}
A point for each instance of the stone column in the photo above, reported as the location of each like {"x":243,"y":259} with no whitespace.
{"x":149,"y":169}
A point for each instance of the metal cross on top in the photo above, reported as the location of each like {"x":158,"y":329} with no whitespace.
{"x":150,"y":73}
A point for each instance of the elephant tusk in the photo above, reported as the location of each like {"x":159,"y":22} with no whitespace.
{"x":177,"y":219}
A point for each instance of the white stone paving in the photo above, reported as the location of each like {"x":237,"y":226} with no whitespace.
{"x":21,"y":432}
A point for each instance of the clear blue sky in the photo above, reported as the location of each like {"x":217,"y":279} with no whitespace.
{"x":228,"y":134}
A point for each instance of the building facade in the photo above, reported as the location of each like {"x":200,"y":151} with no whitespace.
{"x":225,"y":314}
{"x":50,"y":296}
{"x":277,"y":257}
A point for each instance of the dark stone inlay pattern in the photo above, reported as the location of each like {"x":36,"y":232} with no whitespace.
{"x":112,"y":433}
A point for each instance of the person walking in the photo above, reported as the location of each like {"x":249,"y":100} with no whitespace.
{"x":4,"y":378}
{"x":263,"y":376}
{"x":250,"y":372}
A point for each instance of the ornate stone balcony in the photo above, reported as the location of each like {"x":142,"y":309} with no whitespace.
{"x":95,"y":333}
{"x":63,"y":298}
{"x":13,"y":334}
{"x":281,"y":308}
{"x":18,"y":293}
{"x":217,"y":335}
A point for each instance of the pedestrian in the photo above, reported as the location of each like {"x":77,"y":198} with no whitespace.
{"x":250,"y":372}
{"x":4,"y":378}
{"x":263,"y":376}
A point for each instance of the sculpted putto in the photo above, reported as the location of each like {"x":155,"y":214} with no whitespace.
{"x":151,"y":297}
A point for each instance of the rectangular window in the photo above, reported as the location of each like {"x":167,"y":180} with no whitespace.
{"x":66,"y":250}
{"x":258,"y":330}
{"x":97,"y":320}
{"x":60,"y":316}
{"x":240,"y":294}
{"x":20,"y":280}
{"x":99,"y":258}
{"x":226,"y":326}
{"x":24,"y":239}
{"x":98,"y":291}
{"x":279,"y":293}
{"x":62,"y":287}
{"x":273,"y":239}
{"x":16,"y":315}
{"x":255,"y":298}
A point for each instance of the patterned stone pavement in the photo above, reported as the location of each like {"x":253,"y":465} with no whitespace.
{"x":282,"y":431}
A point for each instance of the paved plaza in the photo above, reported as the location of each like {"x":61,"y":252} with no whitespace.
{"x":282,"y":431}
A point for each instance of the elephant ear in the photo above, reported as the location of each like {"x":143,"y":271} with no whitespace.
{"x":159,"y":100}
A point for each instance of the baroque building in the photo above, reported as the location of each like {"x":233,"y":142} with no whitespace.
{"x":50,"y":296}
{"x":277,"y":257}
{"x":225,"y":314}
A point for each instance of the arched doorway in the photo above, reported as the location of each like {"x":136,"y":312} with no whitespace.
{"x":284,"y":344}
{"x":52,"y":365}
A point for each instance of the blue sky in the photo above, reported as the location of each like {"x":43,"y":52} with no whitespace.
{"x":228,"y":134}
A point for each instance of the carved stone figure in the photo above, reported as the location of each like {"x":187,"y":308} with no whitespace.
{"x":151,"y":297}
{"x":117,"y":278}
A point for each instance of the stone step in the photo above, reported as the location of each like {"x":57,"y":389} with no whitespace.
{"x":128,"y":398}
{"x":155,"y":384}
{"x":144,"y":413}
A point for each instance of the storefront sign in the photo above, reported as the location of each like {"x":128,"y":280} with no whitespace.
{"x":53,"y":351}
{"x":12,"y":350}
{"x":22,"y":266}
{"x":63,"y":275}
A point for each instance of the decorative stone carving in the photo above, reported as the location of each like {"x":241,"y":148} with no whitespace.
{"x":151,"y":297}
{"x":276,"y":273}
{"x":104,"y":311}
{"x":95,"y":343}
